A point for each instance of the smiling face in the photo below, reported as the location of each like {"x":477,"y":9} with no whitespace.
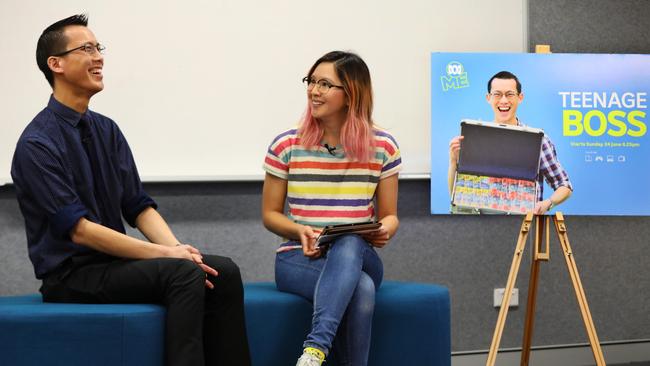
{"x":505,"y":104}
{"x":78,"y":72}
{"x":332,"y":105}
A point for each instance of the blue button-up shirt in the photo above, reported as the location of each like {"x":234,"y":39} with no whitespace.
{"x":61,"y":177}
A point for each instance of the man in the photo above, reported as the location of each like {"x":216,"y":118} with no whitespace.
{"x":504,"y":95}
{"x":75,"y":179}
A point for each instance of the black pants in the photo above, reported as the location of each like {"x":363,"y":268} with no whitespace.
{"x":203,"y":326}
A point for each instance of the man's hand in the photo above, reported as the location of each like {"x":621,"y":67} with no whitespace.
{"x":189,"y":252}
{"x":454,"y":149}
{"x":454,"y":153}
{"x":542,"y":207}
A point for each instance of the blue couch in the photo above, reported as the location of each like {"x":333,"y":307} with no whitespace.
{"x":411,"y":327}
{"x":37,"y":333}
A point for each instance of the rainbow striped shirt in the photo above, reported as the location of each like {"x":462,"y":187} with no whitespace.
{"x":326,"y":188}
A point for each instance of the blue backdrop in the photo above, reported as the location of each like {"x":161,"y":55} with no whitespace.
{"x":593,"y":107}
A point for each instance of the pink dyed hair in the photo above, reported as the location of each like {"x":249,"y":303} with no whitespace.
{"x":356,"y":134}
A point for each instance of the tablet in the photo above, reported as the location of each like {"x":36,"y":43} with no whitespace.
{"x":329,"y":233}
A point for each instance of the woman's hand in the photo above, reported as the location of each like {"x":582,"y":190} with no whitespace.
{"x":377,"y":238}
{"x":386,"y":211}
{"x":308,"y":241}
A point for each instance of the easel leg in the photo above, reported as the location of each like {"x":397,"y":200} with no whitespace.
{"x":512,"y":277}
{"x":538,"y":256}
{"x":540,"y":224}
{"x":580,"y":293}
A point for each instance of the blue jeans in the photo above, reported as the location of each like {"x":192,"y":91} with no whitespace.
{"x":341,"y":286}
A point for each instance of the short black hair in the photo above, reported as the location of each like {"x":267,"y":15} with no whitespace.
{"x":53,"y":41}
{"x":504,"y":75}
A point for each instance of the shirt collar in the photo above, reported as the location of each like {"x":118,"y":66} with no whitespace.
{"x":519,"y":123}
{"x":66,"y":113}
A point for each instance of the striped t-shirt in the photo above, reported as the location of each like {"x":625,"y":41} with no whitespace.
{"x":326,"y":188}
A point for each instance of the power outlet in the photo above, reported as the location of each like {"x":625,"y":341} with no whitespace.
{"x":498,"y":297}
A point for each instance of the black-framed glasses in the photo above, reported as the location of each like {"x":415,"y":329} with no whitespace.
{"x":89,"y":48}
{"x":323,"y":85}
{"x":511,"y":95}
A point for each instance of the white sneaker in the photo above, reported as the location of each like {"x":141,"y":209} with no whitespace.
{"x":307,"y":359}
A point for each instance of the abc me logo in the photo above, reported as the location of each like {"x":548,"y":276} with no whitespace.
{"x":456,"y":77}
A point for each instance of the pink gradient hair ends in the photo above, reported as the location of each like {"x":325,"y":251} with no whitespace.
{"x":356,"y":133}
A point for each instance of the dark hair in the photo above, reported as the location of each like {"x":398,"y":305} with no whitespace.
{"x":504,"y":75}
{"x":53,"y":41}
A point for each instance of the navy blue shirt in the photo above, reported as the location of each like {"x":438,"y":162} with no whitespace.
{"x":63,"y":171}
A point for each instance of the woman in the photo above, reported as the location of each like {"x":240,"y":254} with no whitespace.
{"x":336,"y":168}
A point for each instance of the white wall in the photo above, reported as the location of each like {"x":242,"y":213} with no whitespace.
{"x":201,"y":87}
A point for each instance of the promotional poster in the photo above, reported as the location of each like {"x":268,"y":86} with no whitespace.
{"x":592,"y":107}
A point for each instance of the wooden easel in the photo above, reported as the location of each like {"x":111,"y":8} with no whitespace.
{"x":541,"y":223}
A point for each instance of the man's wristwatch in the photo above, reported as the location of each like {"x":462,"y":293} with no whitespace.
{"x":551,"y":205}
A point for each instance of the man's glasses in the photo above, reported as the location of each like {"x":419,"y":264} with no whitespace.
{"x":89,"y":48}
{"x":323,"y":85}
{"x":509,"y":95}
